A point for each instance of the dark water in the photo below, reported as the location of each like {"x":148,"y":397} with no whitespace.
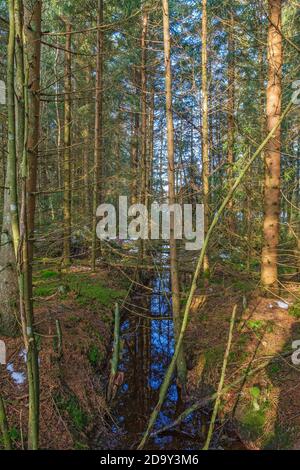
{"x":148,"y":346}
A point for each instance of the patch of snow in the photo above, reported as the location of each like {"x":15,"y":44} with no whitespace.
{"x":282,"y":304}
{"x":18,"y":377}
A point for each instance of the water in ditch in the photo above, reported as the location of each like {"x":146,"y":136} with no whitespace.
{"x":147,"y":348}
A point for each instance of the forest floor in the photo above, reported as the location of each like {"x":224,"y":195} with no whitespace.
{"x":72,"y":384}
{"x":264,"y":409}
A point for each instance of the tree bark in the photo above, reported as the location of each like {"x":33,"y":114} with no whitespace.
{"x":231,"y":124}
{"x":98,"y":151}
{"x":205,"y":146}
{"x":8,"y":276}
{"x":32,"y":32}
{"x":181,"y":364}
{"x":269,"y":271}
{"x":67,"y":147}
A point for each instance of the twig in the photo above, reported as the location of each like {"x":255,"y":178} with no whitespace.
{"x":221,"y":383}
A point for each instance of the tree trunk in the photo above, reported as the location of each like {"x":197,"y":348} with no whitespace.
{"x":144,"y":106}
{"x":205,"y":154}
{"x":231,"y":125}
{"x":181,"y":364}
{"x":32,"y":31}
{"x":8,"y":276}
{"x":98,"y":151}
{"x":32,"y":53}
{"x":269,"y":272}
{"x":67,"y":147}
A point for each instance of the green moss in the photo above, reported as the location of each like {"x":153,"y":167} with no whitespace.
{"x":14,"y":435}
{"x":72,"y":406}
{"x":280,"y":439}
{"x":253,"y":422}
{"x":81,"y":446}
{"x":294,"y":310}
{"x":48,"y":274}
{"x":214,"y":356}
{"x":95,"y":356}
{"x":89,"y":290}
{"x":274,"y":370}
{"x":255,"y":325}
{"x":74,"y":320}
{"x":98,"y":293}
{"x":243,"y":286}
{"x":44,"y":291}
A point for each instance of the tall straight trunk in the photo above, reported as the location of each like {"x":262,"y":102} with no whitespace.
{"x":8,"y":276}
{"x":32,"y":32}
{"x":181,"y":364}
{"x":205,"y":146}
{"x":231,"y":124}
{"x":67,"y":146}
{"x":144,"y":106}
{"x":86,"y":173}
{"x":98,"y":151}
{"x":134,"y":155}
{"x":32,"y":59}
{"x":150,"y":157}
{"x":269,"y":272}
{"x":143,"y":162}
{"x":19,"y":219}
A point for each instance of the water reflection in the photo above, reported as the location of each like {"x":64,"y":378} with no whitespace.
{"x":148,"y":345}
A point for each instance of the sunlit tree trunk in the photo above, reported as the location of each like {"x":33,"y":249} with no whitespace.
{"x":205,"y":146}
{"x":269,"y":272}
{"x":181,"y":364}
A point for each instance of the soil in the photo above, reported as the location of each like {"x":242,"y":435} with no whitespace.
{"x":72,"y":384}
{"x":264,"y":411}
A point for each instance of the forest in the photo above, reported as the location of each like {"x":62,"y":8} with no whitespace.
{"x":150,"y":225}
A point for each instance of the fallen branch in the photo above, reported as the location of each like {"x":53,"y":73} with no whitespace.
{"x":221,"y":383}
{"x":209,"y":399}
